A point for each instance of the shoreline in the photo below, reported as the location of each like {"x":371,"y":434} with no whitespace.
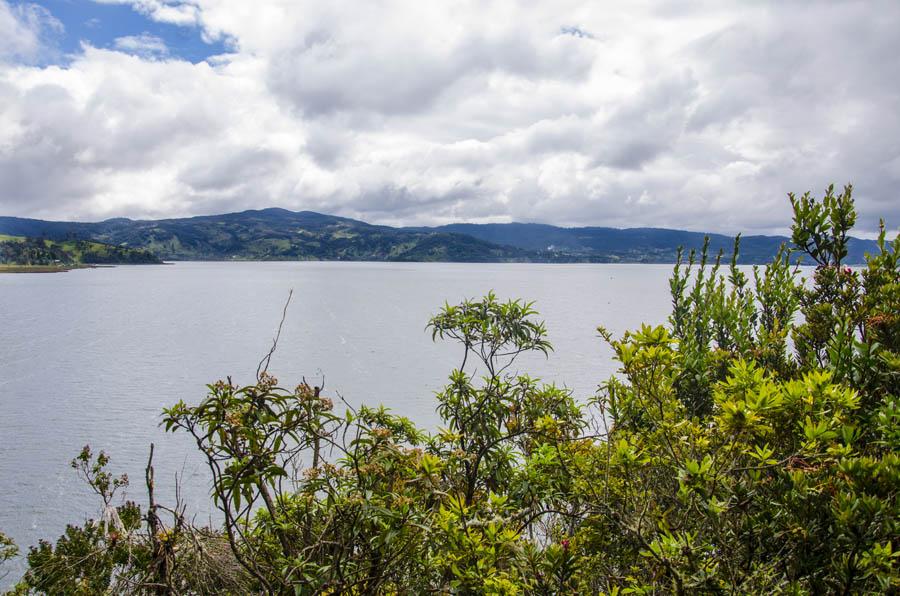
{"x":41,"y":268}
{"x":8,"y":268}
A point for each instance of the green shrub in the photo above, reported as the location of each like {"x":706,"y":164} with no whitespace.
{"x":750,"y":446}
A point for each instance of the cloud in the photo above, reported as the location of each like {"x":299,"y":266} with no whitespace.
{"x":639,"y":114}
{"x":146,"y":45}
{"x":164,"y":11}
{"x":24,"y":29}
{"x":336,"y":66}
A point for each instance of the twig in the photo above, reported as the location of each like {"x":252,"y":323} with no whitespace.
{"x":260,"y":369}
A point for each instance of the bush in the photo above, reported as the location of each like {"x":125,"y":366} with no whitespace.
{"x":749,"y":446}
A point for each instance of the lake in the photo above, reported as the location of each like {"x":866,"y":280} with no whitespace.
{"x":92,"y":356}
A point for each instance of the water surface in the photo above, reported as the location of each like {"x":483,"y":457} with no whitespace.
{"x":92,"y":356}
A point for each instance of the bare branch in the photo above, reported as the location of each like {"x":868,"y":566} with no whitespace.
{"x":263,"y":366}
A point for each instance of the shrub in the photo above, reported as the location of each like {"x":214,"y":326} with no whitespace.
{"x":749,"y":446}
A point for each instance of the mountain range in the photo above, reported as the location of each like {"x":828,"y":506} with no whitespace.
{"x":279,"y":234}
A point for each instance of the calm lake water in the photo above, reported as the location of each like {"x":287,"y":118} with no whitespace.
{"x":92,"y":356}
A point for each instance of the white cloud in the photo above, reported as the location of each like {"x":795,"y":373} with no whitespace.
{"x":23,"y":28}
{"x":576,"y":113}
{"x":175,"y":12}
{"x":149,"y":46}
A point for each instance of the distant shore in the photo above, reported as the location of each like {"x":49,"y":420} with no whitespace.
{"x":42,"y":268}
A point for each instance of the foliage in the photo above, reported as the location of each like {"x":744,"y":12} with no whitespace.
{"x":750,"y":446}
{"x":8,"y":550}
{"x":730,"y":465}
{"x":129,"y":550}
{"x":717,"y":318}
{"x":43,"y":252}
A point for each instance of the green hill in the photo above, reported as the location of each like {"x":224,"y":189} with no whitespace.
{"x":22,"y":253}
{"x":278,"y":234}
{"x":273,"y":234}
{"x":648,"y":245}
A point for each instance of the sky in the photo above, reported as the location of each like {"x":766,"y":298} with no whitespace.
{"x":699,"y":115}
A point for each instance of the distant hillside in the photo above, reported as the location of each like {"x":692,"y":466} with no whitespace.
{"x":42,"y":252}
{"x":278,"y":234}
{"x":656,"y":245}
{"x":273,"y":234}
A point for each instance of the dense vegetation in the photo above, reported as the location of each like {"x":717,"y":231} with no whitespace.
{"x":750,"y":446}
{"x":15,"y":250}
{"x":277,"y":234}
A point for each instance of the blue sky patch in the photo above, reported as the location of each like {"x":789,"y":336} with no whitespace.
{"x":120,"y":27}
